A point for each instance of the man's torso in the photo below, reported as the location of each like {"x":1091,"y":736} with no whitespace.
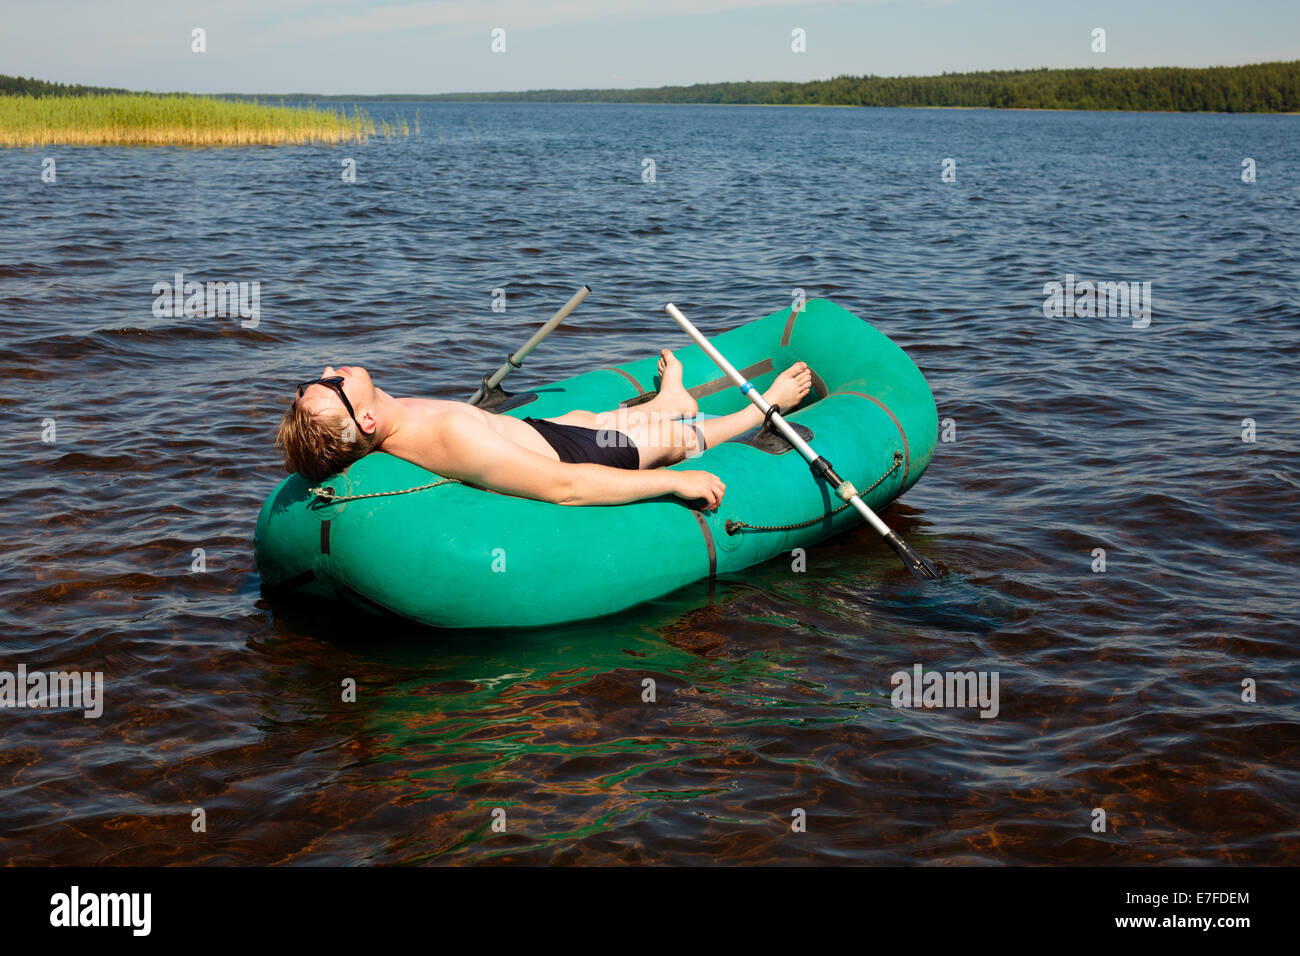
{"x":419,"y":438}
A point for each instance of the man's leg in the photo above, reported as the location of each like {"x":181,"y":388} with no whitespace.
{"x":787,"y":391}
{"x":657,"y":429}
{"x":672,"y":400}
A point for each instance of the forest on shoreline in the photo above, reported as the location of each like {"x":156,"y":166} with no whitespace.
{"x":1254,"y":88}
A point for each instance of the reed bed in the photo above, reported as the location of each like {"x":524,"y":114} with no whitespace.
{"x":178,"y":120}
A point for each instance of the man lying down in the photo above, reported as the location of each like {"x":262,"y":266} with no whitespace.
{"x":581,"y":458}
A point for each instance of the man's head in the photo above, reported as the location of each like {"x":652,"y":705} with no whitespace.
{"x":330,"y":424}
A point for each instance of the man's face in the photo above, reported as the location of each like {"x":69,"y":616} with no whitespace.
{"x":320,"y":399}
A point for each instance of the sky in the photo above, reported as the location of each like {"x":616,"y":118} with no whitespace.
{"x":347,"y":46}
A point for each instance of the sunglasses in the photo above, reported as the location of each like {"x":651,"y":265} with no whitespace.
{"x":335,"y":384}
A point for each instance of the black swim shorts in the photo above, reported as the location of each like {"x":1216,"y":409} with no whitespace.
{"x":579,"y":445}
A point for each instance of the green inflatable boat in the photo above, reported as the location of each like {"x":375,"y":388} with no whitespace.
{"x":445,"y":554}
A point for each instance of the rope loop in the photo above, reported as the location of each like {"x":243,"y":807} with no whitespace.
{"x":332,"y":497}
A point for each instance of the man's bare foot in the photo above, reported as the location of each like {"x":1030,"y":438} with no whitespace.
{"x":790,"y":387}
{"x":672,"y":394}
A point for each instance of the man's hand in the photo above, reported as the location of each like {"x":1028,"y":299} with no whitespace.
{"x":700,"y":484}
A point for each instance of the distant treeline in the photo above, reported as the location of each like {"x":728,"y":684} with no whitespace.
{"x":18,"y":86}
{"x":1256,"y":88}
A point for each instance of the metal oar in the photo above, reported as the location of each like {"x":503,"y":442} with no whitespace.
{"x":514,"y":361}
{"x":918,"y":565}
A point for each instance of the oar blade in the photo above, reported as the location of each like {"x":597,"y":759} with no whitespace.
{"x":918,"y":565}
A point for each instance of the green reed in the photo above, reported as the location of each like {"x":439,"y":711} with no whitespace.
{"x":177,"y":120}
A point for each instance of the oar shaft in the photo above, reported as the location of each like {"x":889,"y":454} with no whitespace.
{"x":718,"y":358}
{"x":745,"y":387}
{"x":541,"y":333}
{"x":514,"y":361}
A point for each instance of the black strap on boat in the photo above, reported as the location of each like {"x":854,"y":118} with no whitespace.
{"x":907,"y":452}
{"x":767,"y":417}
{"x":723,"y":383}
{"x":704,"y":389}
{"x":363,"y":599}
{"x":789,"y":326}
{"x":819,"y":386}
{"x":290,"y":584}
{"x":708,"y":540}
{"x":630,"y":378}
{"x":735,"y":527}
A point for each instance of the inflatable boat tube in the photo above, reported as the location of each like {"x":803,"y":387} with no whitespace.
{"x":455,"y":556}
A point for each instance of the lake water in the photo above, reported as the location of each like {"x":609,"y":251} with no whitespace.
{"x":1119,"y":690}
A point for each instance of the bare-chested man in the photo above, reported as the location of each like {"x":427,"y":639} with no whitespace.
{"x":581,"y":458}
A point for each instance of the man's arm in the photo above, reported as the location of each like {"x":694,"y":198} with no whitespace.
{"x":479,"y":455}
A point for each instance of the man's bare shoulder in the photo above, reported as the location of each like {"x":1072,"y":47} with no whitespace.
{"x":437,"y":406}
{"x":437,"y":433}
{"x":425,"y":425}
{"x":431,"y":416}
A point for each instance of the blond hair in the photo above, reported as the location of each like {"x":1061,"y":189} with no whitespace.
{"x":318,"y":446}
